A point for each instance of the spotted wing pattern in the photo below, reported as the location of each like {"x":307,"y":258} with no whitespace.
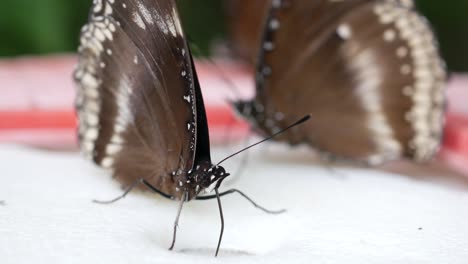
{"x":136,"y":99}
{"x":367,"y":71}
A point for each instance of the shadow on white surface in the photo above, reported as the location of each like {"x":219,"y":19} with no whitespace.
{"x":365,"y":217}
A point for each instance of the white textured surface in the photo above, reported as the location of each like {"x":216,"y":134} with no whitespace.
{"x":353,"y":216}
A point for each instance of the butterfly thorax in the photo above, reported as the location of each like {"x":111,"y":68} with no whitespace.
{"x":203,"y":175}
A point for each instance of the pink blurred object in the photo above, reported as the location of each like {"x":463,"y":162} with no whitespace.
{"x":37,"y":83}
{"x":455,"y":147}
{"x":458,"y":94}
{"x":36,"y":106}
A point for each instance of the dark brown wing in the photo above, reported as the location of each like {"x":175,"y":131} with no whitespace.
{"x":136,"y":100}
{"x":368,"y":72}
{"x":245,"y":20}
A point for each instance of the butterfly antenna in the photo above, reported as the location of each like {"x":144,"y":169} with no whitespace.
{"x":131,"y":187}
{"x":300,"y":121}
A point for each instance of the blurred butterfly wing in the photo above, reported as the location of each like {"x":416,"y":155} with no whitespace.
{"x":136,"y":99}
{"x":367,"y":71}
{"x":404,"y":3}
{"x":245,"y":20}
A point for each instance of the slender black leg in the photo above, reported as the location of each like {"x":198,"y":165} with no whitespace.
{"x":208,"y":197}
{"x":130,"y":188}
{"x":222,"y":221}
{"x":176,"y":223}
{"x":257,"y":205}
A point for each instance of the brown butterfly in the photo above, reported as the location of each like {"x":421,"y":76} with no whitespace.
{"x":368,"y":72}
{"x":139,"y":104}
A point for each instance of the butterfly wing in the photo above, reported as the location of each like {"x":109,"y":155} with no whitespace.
{"x":245,"y":20}
{"x":136,"y":100}
{"x":368,"y":72}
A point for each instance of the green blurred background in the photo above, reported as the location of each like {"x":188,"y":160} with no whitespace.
{"x":51,"y":26}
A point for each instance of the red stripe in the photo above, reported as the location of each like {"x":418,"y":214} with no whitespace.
{"x":456,"y":134}
{"x":13,"y":120}
{"x":37,"y":120}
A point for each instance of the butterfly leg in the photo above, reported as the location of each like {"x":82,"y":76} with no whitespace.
{"x":131,"y":187}
{"x":176,"y":222}
{"x":208,"y":197}
{"x":222,"y":221}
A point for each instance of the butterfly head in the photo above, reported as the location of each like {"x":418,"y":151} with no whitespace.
{"x":244,"y":108}
{"x":251,"y":110}
{"x":202,"y":176}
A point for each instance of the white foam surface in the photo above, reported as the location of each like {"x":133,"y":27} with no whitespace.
{"x":334,"y":216}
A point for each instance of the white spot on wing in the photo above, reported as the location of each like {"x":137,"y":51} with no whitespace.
{"x":402,"y":52}
{"x":405,"y":69}
{"x":117,"y":139}
{"x":91,"y":134}
{"x":107,"y":162}
{"x":389,"y":35}
{"x":138,"y":20}
{"x":113,"y":149}
{"x":268,"y":46}
{"x":108,"y":10}
{"x":146,"y":13}
{"x":274,"y":24}
{"x":176,"y":28}
{"x":344,"y":31}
